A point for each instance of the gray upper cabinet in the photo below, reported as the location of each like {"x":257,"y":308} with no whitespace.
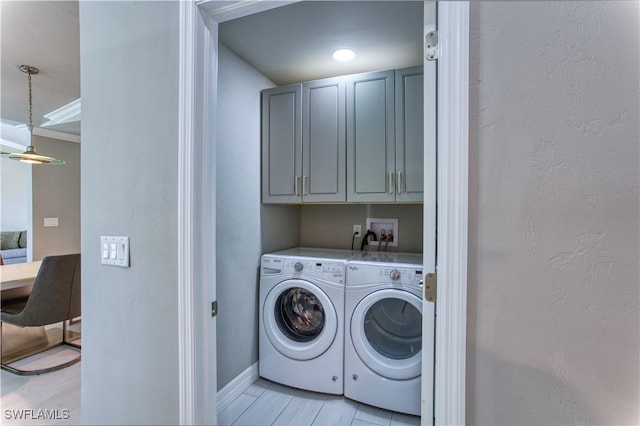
{"x":282,"y":144}
{"x":409,"y":135}
{"x":323,"y":141}
{"x":357,"y":138}
{"x":371,"y":159}
{"x":303,"y":142}
{"x":385,"y":148}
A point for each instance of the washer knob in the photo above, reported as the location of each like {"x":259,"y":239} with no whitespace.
{"x":298,"y":266}
{"x":394,"y":275}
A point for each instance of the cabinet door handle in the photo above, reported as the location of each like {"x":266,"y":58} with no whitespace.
{"x":296,"y":180}
{"x":305,"y":179}
{"x":399,"y":183}
{"x":390,"y":182}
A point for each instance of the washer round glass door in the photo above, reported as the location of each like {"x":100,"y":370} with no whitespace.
{"x":299,"y":319}
{"x":386,"y":332}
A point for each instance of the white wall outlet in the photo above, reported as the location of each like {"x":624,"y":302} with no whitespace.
{"x":114,"y":251}
{"x":357,"y":230}
{"x":386,"y":231}
{"x":50,"y":222}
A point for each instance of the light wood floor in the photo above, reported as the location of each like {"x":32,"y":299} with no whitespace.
{"x":48,"y":399}
{"x":57,"y":394}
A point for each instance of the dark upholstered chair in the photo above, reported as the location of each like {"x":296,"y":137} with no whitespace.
{"x":54,"y":298}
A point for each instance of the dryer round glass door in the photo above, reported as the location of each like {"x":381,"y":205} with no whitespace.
{"x":299,"y":319}
{"x":386,"y":332}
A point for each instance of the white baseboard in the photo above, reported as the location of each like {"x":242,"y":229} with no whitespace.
{"x":236,"y":387}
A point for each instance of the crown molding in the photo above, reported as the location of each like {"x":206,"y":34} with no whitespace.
{"x":223,"y":11}
{"x":55,"y":134}
{"x":65,"y":114}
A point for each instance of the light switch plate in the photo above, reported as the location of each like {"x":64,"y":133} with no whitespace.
{"x":51,"y":222}
{"x":114,"y":251}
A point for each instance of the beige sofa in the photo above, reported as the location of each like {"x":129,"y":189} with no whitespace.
{"x":13,"y":246}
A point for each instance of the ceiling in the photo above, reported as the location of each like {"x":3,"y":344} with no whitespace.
{"x":288,"y":44}
{"x":43,"y":34}
{"x":294,"y":43}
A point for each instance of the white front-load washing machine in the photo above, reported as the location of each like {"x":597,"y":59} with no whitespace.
{"x":383,"y":334}
{"x":301,"y":338}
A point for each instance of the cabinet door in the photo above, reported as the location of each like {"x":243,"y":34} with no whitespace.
{"x":409,"y":135}
{"x":282,"y":144}
{"x":323,"y":141}
{"x":370,"y":137}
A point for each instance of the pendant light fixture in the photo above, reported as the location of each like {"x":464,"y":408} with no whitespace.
{"x":30,"y":156}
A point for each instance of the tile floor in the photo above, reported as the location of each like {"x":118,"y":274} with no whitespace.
{"x":268,"y":403}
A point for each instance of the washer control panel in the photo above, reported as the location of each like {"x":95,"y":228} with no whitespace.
{"x":303,"y":267}
{"x":313,"y":267}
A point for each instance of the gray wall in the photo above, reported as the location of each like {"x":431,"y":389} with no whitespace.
{"x":553,"y":234}
{"x":331,"y":226}
{"x":129,"y":61}
{"x":56,"y":193}
{"x":243,"y":228}
{"x":280,"y":227}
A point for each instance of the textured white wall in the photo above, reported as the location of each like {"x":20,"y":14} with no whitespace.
{"x":15,"y":178}
{"x":129,"y":59}
{"x":553,"y":317}
{"x":15,"y":182}
{"x":56,"y":193}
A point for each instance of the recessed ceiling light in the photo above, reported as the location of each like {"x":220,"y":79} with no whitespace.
{"x":343,"y":55}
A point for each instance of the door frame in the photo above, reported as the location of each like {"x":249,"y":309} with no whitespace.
{"x":197,"y":91}
{"x":452,"y":216}
{"x":198,"y":35}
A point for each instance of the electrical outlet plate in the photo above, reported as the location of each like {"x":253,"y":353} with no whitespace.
{"x":380,"y":226}
{"x":357,"y":230}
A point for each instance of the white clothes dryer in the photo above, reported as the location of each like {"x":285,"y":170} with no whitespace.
{"x":301,"y":338}
{"x":383,"y":334}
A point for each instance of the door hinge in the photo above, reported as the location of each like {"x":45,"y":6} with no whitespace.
{"x":214,"y":308}
{"x":431,"y":46}
{"x":431,"y":287}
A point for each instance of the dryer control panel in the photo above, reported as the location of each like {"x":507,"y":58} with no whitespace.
{"x":363,"y":274}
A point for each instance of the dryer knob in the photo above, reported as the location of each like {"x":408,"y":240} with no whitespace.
{"x":298,"y":266}
{"x":394,"y":275}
